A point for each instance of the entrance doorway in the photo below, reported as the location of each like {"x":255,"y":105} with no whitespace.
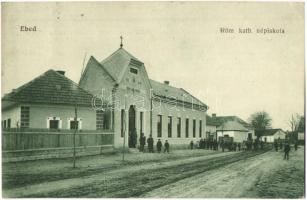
{"x":132,"y":129}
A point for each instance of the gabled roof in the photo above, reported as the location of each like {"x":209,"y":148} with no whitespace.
{"x":221,"y":119}
{"x":231,"y":126}
{"x":117,"y":63}
{"x":267,"y":132}
{"x":50,"y":88}
{"x":165,"y":90}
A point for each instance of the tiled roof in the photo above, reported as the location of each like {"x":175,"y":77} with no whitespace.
{"x":231,"y":126}
{"x":117,"y":63}
{"x":219,"y":120}
{"x":50,"y":88}
{"x":267,"y":132}
{"x":165,"y":90}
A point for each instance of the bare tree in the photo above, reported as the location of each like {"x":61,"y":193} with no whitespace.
{"x":294,"y":122}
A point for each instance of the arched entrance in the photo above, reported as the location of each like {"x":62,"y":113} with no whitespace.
{"x":132,"y":129}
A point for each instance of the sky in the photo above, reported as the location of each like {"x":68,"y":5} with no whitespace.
{"x":233,"y":73}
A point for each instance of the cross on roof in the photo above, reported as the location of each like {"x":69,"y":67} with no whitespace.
{"x":121,"y":41}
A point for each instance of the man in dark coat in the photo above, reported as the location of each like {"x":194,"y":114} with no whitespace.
{"x":166,"y":146}
{"x":287,"y":150}
{"x":142,"y":142}
{"x":201,"y":143}
{"x":133,"y":138}
{"x":191,"y":144}
{"x":295,"y":146}
{"x":159,"y":146}
{"x":150,"y":143}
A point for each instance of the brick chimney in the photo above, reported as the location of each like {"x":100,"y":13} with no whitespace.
{"x":213,"y":115}
{"x":166,"y":82}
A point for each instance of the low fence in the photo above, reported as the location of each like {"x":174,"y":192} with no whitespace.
{"x":33,"y":143}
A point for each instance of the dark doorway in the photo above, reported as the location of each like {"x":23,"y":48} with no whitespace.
{"x":132,"y":130}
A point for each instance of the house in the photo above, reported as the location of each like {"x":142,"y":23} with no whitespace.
{"x":212,"y":125}
{"x":235,"y":130}
{"x":270,"y":135}
{"x":229,"y":126}
{"x":48,"y":102}
{"x":142,"y":105}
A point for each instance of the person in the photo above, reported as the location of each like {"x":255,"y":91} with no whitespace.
{"x":276,"y":145}
{"x":133,"y":138}
{"x":223,"y":145}
{"x":159,"y":146}
{"x":239,"y":146}
{"x":286,"y":150}
{"x":150,"y":143}
{"x":142,"y":142}
{"x":261,"y":145}
{"x":295,"y":145}
{"x":201,"y":143}
{"x":191,"y":144}
{"x":166,"y":146}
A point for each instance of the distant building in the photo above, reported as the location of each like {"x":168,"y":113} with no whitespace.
{"x":269,"y":135}
{"x":48,"y":102}
{"x":301,"y":136}
{"x":229,"y":126}
{"x":141,"y":105}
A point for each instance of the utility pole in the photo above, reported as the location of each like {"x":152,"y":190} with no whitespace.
{"x":76,"y":129}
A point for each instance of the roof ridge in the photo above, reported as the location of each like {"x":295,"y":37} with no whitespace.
{"x":25,"y":85}
{"x":76,"y":84}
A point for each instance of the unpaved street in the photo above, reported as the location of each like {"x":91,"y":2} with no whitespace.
{"x":198,"y":173}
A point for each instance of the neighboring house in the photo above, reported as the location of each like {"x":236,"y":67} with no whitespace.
{"x":48,"y":102}
{"x":269,"y":135}
{"x":235,"y":130}
{"x":211,"y":127}
{"x":301,"y":136}
{"x":229,"y":126}
{"x":143,"y":105}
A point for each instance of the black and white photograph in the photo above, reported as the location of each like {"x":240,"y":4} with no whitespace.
{"x":167,"y":99}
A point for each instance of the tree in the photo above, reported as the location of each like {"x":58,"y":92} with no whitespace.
{"x":301,"y":125}
{"x":297,"y":123}
{"x":294,"y":122}
{"x":260,"y":121}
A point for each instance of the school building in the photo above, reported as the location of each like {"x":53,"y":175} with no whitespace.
{"x":115,"y":94}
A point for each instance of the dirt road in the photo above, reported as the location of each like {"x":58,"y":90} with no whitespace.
{"x":192,"y":174}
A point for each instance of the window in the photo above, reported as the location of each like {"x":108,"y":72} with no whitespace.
{"x":54,"y":124}
{"x":9,"y":123}
{"x":194,"y":128}
{"x":159,"y":126}
{"x":4,"y":124}
{"x":178,"y":127}
{"x":200,"y":128}
{"x":99,"y":119}
{"x":133,"y":70}
{"x":25,"y":117}
{"x":72,"y":124}
{"x":106,"y":120}
{"x":169,"y":127}
{"x":141,"y":122}
{"x":187,"y":128}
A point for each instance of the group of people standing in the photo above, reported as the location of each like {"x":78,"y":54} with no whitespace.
{"x":150,"y":144}
{"x":211,"y":144}
{"x":278,"y":144}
